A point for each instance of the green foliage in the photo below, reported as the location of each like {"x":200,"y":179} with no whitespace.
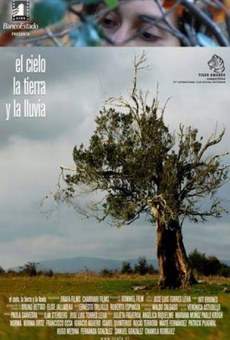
{"x":208,"y":265}
{"x":111,"y":3}
{"x":143,"y":268}
{"x":126,"y":268}
{"x":133,"y":158}
{"x":48,"y":12}
{"x":107,"y":272}
{"x":30,"y":268}
{"x":120,"y":159}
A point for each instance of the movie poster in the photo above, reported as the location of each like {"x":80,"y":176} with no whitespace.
{"x":114,"y":148}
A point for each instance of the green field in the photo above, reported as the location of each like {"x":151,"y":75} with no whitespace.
{"x":96,"y":285}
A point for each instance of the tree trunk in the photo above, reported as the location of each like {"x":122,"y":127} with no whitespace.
{"x":174,"y":267}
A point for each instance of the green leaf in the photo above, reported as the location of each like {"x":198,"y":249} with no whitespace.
{"x":111,"y":3}
{"x":48,"y":12}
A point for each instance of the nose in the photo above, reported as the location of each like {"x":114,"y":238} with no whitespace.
{"x":121,"y":36}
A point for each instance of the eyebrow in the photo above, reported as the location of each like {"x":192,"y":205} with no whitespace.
{"x":143,"y":17}
{"x":164,"y":26}
{"x":155,"y":19}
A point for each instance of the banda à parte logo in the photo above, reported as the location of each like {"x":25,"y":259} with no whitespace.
{"x":216,"y":64}
{"x":20,"y":10}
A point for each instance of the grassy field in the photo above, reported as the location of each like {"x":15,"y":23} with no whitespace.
{"x":96,"y":285}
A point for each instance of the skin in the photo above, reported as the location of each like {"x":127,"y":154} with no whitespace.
{"x":124,"y":23}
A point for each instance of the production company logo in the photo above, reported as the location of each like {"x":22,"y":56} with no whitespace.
{"x":20,"y":24}
{"x":20,"y":10}
{"x":212,"y":72}
{"x":217,"y":71}
{"x":216,"y":64}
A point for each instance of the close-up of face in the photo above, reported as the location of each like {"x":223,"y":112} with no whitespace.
{"x":134,"y":23}
{"x":131,"y":24}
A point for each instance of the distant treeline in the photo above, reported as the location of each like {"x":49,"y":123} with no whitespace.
{"x":29,"y":269}
{"x":208,"y":265}
{"x":142,"y":267}
{"x":200,"y":263}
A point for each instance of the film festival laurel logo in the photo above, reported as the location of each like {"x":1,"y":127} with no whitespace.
{"x":20,"y":10}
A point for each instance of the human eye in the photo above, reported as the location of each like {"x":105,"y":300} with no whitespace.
{"x":149,"y":36}
{"x":110,"y":21}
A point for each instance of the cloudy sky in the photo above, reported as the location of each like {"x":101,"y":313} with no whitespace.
{"x":32,"y":150}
